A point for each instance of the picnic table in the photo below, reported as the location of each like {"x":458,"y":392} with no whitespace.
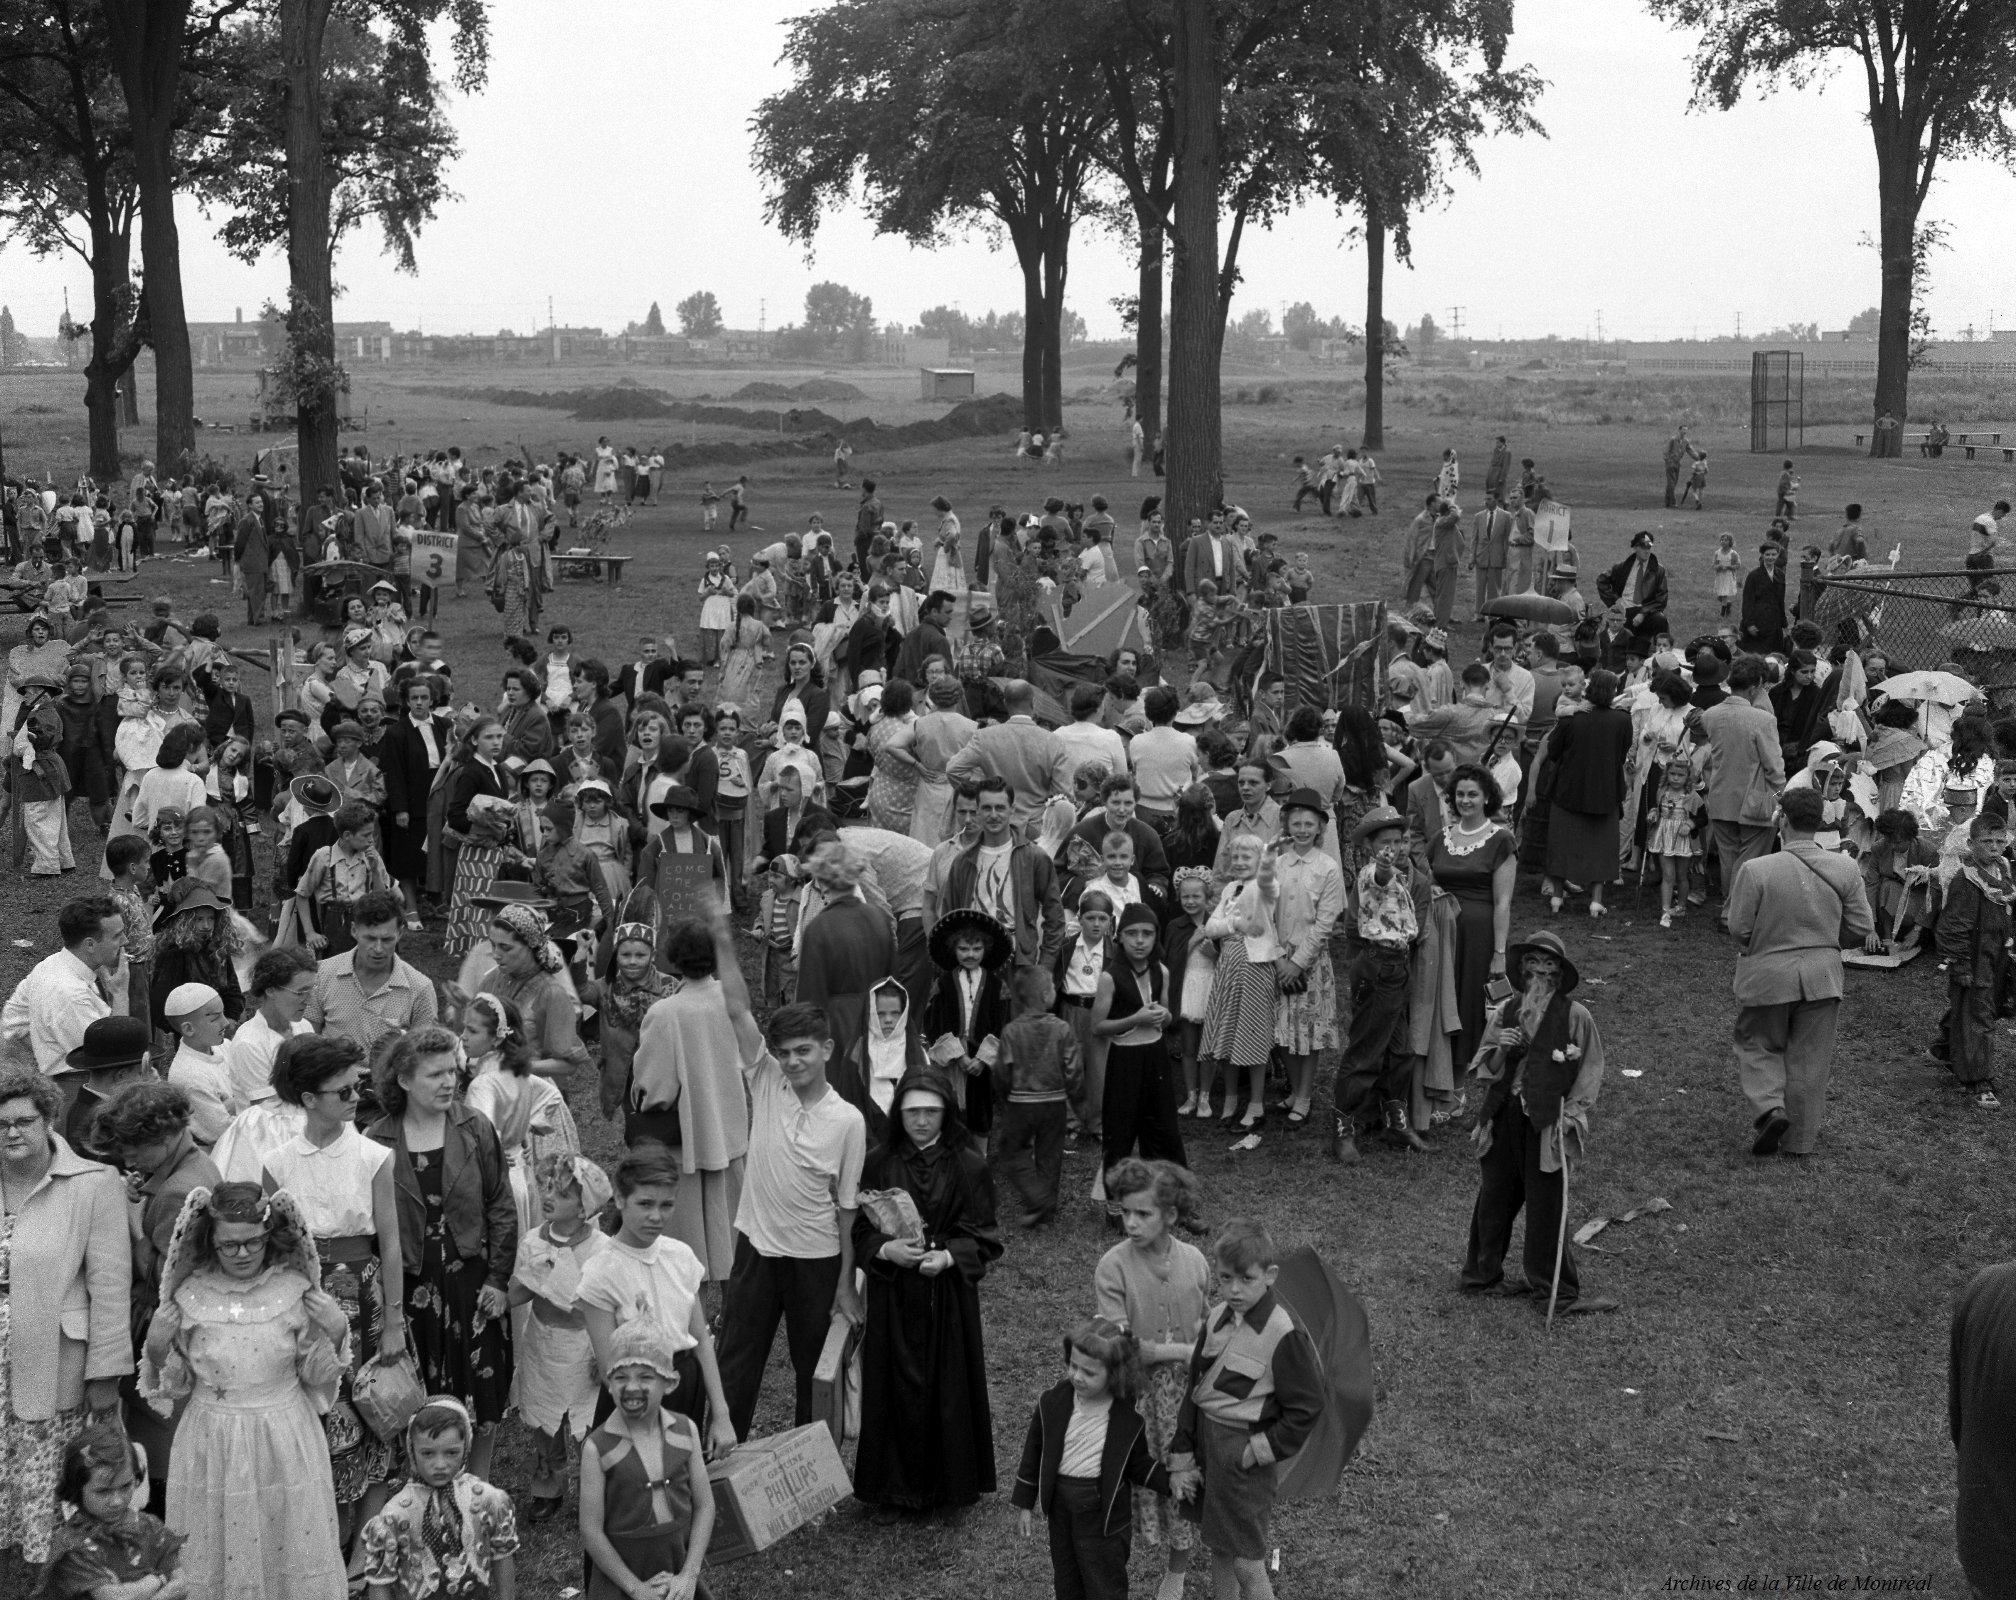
{"x":591,"y":565}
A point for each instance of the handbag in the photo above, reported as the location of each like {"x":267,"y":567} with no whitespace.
{"x":387,"y":1394}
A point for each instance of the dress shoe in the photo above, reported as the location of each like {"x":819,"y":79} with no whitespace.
{"x":1770,"y":1133}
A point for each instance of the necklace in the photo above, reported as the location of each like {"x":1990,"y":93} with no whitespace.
{"x":1452,"y":838}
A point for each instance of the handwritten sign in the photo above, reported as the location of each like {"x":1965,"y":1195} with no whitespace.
{"x":685,"y":886}
{"x":1550,"y":525}
{"x":433,"y":558}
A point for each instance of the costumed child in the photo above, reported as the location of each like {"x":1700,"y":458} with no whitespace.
{"x":233,"y":799}
{"x":568,"y":871}
{"x":1129,"y":1018}
{"x":195,"y":1014}
{"x":880,"y":1059}
{"x":1087,"y":1448}
{"x":634,"y":985}
{"x":1038,"y":1072}
{"x":1256,"y":1391}
{"x":125,"y":859}
{"x":1671,"y":837}
{"x":1972,"y":936}
{"x":555,"y":1359}
{"x":103,"y":1547}
{"x":609,"y":838}
{"x":337,"y":876}
{"x":1158,"y":1288}
{"x":1239,"y":1027}
{"x":1542,"y":1069}
{"x":1388,"y":910}
{"x":1197,"y":963}
{"x":967,"y":1010}
{"x":717,"y":610}
{"x":1081,"y":961}
{"x":243,"y":1333}
{"x":1897,"y":874}
{"x":355,"y":774}
{"x":529,"y":1112}
{"x":648,"y":1277}
{"x":41,"y":783}
{"x":647,"y":1509}
{"x":446,"y":1535}
{"x":204,"y":860}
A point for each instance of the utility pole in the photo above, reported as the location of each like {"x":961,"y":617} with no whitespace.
{"x":1599,"y":324}
{"x":1456,"y":321}
{"x":1739,"y":324}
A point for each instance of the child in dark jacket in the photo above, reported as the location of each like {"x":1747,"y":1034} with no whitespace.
{"x":1037,"y":1070}
{"x":1087,"y":1448}
{"x":968,"y":1009}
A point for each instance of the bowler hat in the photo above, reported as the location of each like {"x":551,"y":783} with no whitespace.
{"x":111,"y":1042}
{"x":1305,"y":799}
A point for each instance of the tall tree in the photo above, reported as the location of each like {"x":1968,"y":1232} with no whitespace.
{"x":654,"y":321}
{"x":699,"y":314}
{"x":67,"y":184}
{"x":1195,"y":434}
{"x":153,"y":42}
{"x":1937,"y":78}
{"x":935,"y":115}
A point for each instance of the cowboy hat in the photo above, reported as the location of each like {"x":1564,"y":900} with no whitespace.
{"x":970,"y":921}
{"x":1377,"y":820}
{"x":111,"y":1042}
{"x":676,"y":798}
{"x":316,"y":794}
{"x":510,"y":892}
{"x":192,"y":896}
{"x":1304,"y":799}
{"x":1544,"y":943}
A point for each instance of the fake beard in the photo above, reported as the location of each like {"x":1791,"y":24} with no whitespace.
{"x":1533,"y":1004}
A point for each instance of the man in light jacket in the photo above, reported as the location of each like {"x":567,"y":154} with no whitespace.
{"x":1792,"y":911}
{"x":1746,"y":769}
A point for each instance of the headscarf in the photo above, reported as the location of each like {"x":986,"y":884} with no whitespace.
{"x":593,"y":1182}
{"x":888,"y":1048}
{"x":529,"y":928}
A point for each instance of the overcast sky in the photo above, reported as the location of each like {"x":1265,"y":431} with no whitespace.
{"x":606,"y":166}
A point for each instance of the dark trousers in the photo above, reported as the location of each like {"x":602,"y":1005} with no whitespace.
{"x":1306,"y":490}
{"x":1140,"y":1103}
{"x":762,"y":1290}
{"x":737,"y":514}
{"x":1968,"y":1033}
{"x":1086,"y":1562}
{"x":1377,"y":1063}
{"x":1511,"y":1179}
{"x":1026,"y":1151}
{"x":1672,"y":480}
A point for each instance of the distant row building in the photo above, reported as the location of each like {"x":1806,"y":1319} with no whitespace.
{"x":249,"y":345}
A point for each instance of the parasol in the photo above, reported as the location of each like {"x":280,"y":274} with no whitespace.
{"x":1335,"y":1323}
{"x":1530,"y":608}
{"x":1945,"y":688}
{"x":1989,"y":630}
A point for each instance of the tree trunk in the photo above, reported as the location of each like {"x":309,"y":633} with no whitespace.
{"x":311,"y":298}
{"x":1375,"y":330}
{"x":1056,"y":262}
{"x":1148,"y":332}
{"x":1194,"y":442}
{"x":1897,"y":209}
{"x":129,"y":396}
{"x":147,"y":44}
{"x":1032,"y":340}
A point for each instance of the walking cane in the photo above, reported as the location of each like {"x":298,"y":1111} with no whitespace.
{"x":1561,"y":1238}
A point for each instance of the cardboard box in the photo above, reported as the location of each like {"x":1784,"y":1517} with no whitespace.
{"x":836,"y":1381}
{"x":770,"y":1487}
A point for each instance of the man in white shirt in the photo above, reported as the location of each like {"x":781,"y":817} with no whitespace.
{"x":1085,"y":740}
{"x":367,"y":994}
{"x":46,"y":1015}
{"x":794,"y":1227}
{"x":1165,"y":759}
{"x":1512,"y":686}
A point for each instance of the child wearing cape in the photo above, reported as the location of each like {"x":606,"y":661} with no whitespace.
{"x":968,"y":1009}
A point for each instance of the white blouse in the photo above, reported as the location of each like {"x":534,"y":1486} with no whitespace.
{"x":332,"y":1183}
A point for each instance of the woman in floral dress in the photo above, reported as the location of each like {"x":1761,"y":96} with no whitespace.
{"x":458,"y":1230}
{"x":892,"y":792}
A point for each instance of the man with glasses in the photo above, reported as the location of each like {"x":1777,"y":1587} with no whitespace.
{"x":367,"y":994}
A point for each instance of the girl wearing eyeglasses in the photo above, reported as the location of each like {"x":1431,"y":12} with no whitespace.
{"x":342,"y":1182}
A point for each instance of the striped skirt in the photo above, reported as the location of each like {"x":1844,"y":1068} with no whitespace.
{"x":1239,"y":1024}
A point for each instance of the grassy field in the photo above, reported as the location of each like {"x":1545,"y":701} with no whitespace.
{"x":1769,"y":1401}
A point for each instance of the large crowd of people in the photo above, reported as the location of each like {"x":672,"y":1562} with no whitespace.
{"x":856,"y":916}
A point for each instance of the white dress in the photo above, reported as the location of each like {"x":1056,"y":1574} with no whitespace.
{"x":249,"y":1484}
{"x":947,"y":573}
{"x":555,"y":1370}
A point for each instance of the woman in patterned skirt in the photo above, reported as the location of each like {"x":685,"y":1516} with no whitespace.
{"x":1239,"y":1026}
{"x":1309,"y":900}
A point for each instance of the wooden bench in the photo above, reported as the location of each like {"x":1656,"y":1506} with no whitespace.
{"x":609,"y":569}
{"x":1908,"y":440}
{"x":1976,"y":438}
{"x":2008,"y":452}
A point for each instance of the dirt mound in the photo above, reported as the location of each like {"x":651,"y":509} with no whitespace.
{"x":811,"y":389}
{"x":617,"y":405}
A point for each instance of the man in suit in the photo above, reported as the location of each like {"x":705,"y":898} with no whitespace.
{"x":1490,"y":541}
{"x":648,"y":674}
{"x":1792,"y":911}
{"x":1745,"y":770}
{"x":1211,"y":556}
{"x":1424,"y":799}
{"x":1031,"y":760}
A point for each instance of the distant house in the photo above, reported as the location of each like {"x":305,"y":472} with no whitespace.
{"x":944,"y":383}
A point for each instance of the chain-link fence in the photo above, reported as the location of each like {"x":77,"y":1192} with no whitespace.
{"x":1922,"y":620}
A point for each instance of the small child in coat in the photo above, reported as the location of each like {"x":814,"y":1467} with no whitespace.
{"x":1037,"y":1071}
{"x":102,"y":1544}
{"x":1086,"y":1450}
{"x":968,"y":1009}
{"x":1255,"y":1394}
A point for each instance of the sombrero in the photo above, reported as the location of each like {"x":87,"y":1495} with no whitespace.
{"x":970,"y":920}
{"x":316,"y":794}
